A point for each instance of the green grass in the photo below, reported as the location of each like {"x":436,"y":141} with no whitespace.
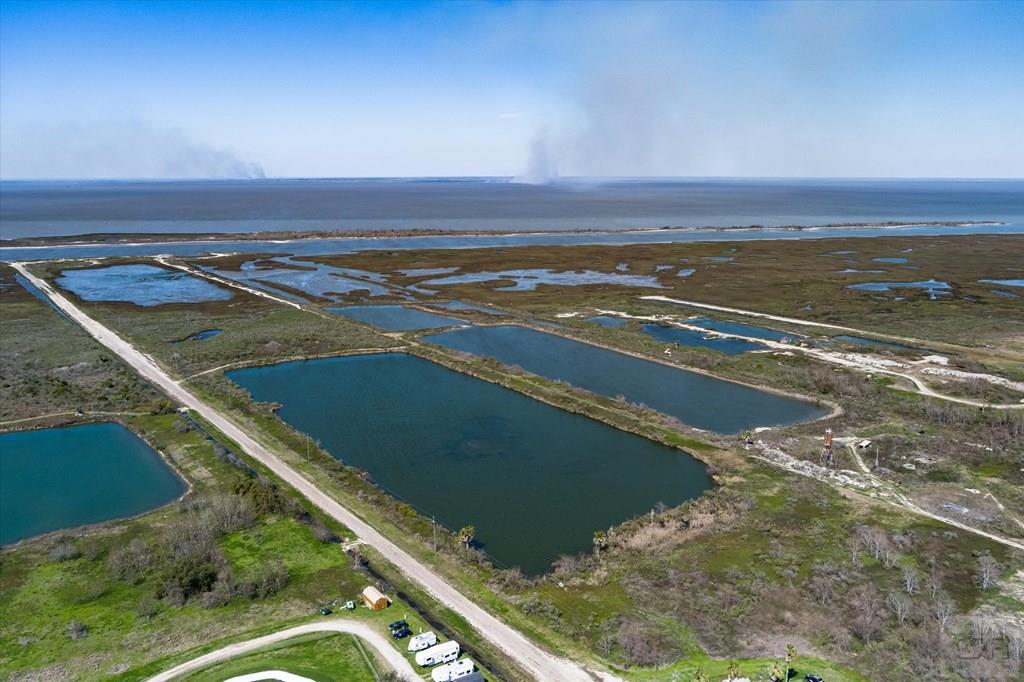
{"x":324,"y":658}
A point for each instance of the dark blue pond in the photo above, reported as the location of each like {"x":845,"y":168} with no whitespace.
{"x":466,"y":451}
{"x":695,"y":399}
{"x":395,"y":317}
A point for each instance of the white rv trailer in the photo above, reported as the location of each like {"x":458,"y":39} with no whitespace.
{"x":422,"y":641}
{"x":435,"y":655}
{"x":452,"y":671}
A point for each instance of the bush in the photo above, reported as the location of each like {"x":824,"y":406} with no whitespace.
{"x":147,"y":607}
{"x":130,"y":562}
{"x":77,"y":630}
{"x":64,"y":550}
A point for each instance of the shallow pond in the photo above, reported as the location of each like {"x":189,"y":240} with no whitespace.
{"x":696,"y":399}
{"x":528,"y":279}
{"x":67,"y":477}
{"x":934,"y":287}
{"x":316,"y":279}
{"x":741,"y":329}
{"x":872,"y":343}
{"x":896,"y":259}
{"x":144,"y":285}
{"x":694,"y":339}
{"x":1004,"y":282}
{"x":203,"y":335}
{"x":462,"y":305}
{"x":525,"y":474}
{"x":395,"y":318}
{"x":684,"y":337}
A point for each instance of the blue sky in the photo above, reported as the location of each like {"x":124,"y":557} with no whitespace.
{"x":166,"y":89}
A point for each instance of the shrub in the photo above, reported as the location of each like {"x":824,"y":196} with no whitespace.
{"x":64,"y":550}
{"x":77,"y":630}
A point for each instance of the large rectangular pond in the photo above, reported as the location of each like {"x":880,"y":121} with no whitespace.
{"x":695,"y":399}
{"x":61,"y":478}
{"x":395,"y":318}
{"x":534,"y":480}
{"x":143,"y":285}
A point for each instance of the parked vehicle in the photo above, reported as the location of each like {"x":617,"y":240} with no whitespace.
{"x":810,"y":677}
{"x":401,"y":633}
{"x":422,"y":641}
{"x":325,"y":611}
{"x":397,"y":625}
{"x":436,"y":655}
{"x":453,"y":671}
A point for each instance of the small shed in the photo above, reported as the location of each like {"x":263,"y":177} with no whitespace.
{"x":374,"y":599}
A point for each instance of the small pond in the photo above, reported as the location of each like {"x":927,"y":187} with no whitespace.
{"x":1004,"y":282}
{"x":395,"y":318}
{"x":66,"y":477}
{"x":741,"y":329}
{"x":528,"y":279}
{"x":895,"y":259}
{"x":686,"y":272}
{"x":684,"y":337}
{"x":144,"y":285}
{"x":462,"y":305}
{"x":934,"y":287}
{"x":872,"y":343}
{"x":203,"y":335}
{"x":696,"y":399}
{"x":526,"y":474}
{"x":694,"y":339}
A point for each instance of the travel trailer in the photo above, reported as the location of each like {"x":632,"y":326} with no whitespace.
{"x":435,"y":655}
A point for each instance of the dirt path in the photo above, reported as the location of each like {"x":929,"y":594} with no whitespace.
{"x":539,"y":663}
{"x":387,"y":652}
{"x":824,"y":325}
{"x":843,"y":359}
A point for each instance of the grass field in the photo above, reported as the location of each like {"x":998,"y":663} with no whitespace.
{"x":324,"y":658}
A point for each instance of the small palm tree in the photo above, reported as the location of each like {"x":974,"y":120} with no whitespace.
{"x":466,"y":535}
{"x":776,"y":673}
{"x":700,"y":676}
{"x":734,"y":670}
{"x":600,"y":540}
{"x":790,"y":657}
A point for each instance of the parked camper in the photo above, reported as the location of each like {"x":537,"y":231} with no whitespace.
{"x":422,"y":641}
{"x":435,"y":655}
{"x":453,"y":671}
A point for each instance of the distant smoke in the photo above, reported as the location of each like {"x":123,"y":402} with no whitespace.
{"x":124,"y":149}
{"x":541,"y":164}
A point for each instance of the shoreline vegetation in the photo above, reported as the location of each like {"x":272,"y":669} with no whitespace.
{"x":129,"y":238}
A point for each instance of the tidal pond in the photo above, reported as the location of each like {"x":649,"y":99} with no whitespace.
{"x":695,"y":399}
{"x":143,"y":285}
{"x":934,"y":287}
{"x":395,"y":318}
{"x":61,"y":478}
{"x":741,"y":329}
{"x":528,"y":279}
{"x":472,"y":307}
{"x":535,"y":481}
{"x":684,"y":337}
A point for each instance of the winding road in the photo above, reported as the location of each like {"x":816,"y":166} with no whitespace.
{"x":539,"y":663}
{"x":361,"y":630}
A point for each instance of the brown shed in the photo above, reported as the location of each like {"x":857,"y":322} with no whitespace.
{"x":374,"y":599}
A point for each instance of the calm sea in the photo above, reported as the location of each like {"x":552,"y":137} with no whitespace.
{"x":37,"y":208}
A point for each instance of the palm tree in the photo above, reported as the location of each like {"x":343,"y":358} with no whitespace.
{"x":790,"y":657}
{"x":700,"y":676}
{"x":734,"y":670}
{"x":466,"y":535}
{"x":600,"y":540}
{"x":776,"y":674}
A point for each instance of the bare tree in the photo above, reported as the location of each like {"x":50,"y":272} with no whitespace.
{"x":943,"y":610}
{"x":988,"y":572}
{"x":899,"y":604}
{"x":910,"y":579}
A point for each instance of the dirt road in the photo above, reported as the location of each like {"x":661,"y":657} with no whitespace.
{"x":537,"y":662}
{"x":361,"y":630}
